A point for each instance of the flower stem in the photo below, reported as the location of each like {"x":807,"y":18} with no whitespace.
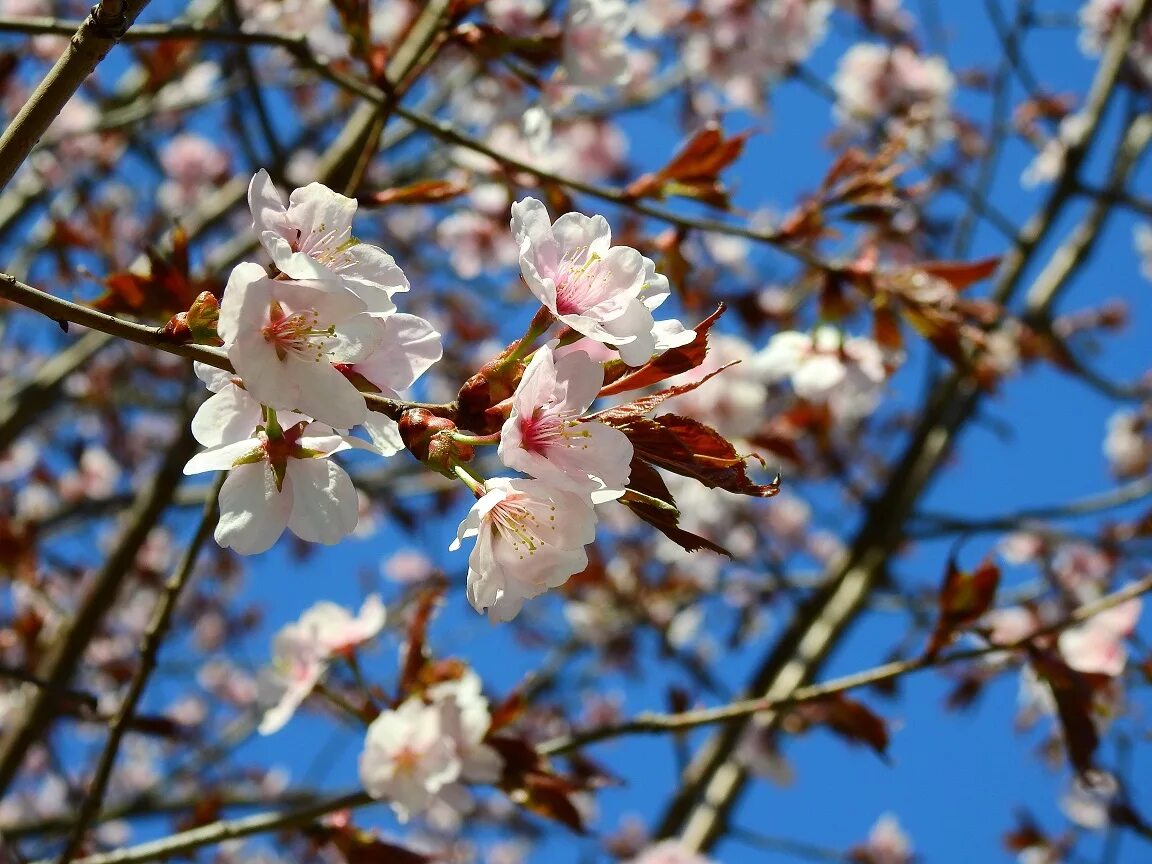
{"x":540,"y":324}
{"x":477,"y":440}
{"x":469,"y":479}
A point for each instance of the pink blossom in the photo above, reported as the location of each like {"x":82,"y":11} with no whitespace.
{"x":743,"y":47}
{"x":312,"y":239}
{"x":1127,"y":445}
{"x":887,"y":843}
{"x":419,"y":755}
{"x":529,"y":537}
{"x":192,"y":164}
{"x":302,"y":650}
{"x":281,"y":482}
{"x":669,"y":852}
{"x":547,"y":436}
{"x":846,"y":372}
{"x":1097,"y":645}
{"x":603,"y":291}
{"x":595,"y":52}
{"x":283,"y":337}
{"x":734,"y":403}
{"x":898,"y":87}
{"x":230,"y":414}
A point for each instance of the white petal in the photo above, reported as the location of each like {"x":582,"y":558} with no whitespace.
{"x":227,"y":416}
{"x":222,"y":458}
{"x":253,"y":514}
{"x":324,"y":505}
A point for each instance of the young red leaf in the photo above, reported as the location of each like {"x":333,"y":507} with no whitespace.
{"x":531,"y":782}
{"x":1074,"y":693}
{"x":166,"y":288}
{"x":694,"y":172}
{"x":688,"y":447}
{"x":964,"y":598}
{"x":672,"y":362}
{"x":648,"y":497}
{"x":421,"y":192}
{"x":961,"y":274}
{"x":851,"y":720}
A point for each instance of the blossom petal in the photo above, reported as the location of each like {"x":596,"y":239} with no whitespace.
{"x":253,"y":513}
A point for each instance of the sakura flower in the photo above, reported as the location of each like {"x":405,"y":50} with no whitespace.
{"x":845,"y":372}
{"x":312,"y":238}
{"x":1098,"y":19}
{"x":669,"y":852}
{"x":896,"y":86}
{"x":467,"y":720}
{"x":191,"y":163}
{"x":301,"y":652}
{"x":529,"y":537}
{"x":603,"y":291}
{"x":887,"y":844}
{"x":409,"y":757}
{"x":1097,"y":645}
{"x":230,"y":414}
{"x":278,"y":482}
{"x":544,"y":435}
{"x":420,"y":755}
{"x":595,"y":53}
{"x":1127,"y":445}
{"x":1091,"y":800}
{"x":283,"y":337}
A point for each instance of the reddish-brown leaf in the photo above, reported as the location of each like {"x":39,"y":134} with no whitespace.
{"x":961,"y":274}
{"x":851,"y":720}
{"x":688,"y":447}
{"x":672,"y":362}
{"x":694,"y":171}
{"x":361,"y":847}
{"x":1074,"y":693}
{"x":647,"y":481}
{"x":531,"y":782}
{"x":964,"y":598}
{"x":166,"y":289}
{"x":421,"y":192}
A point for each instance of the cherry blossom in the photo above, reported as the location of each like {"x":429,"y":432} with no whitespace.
{"x":847,"y":372}
{"x":603,"y":291}
{"x":281,"y":481}
{"x":529,"y":537}
{"x":302,"y":650}
{"x":744,"y":46}
{"x":669,"y":852}
{"x":1090,"y":799}
{"x":1097,"y":645}
{"x":1098,"y":18}
{"x":419,"y":755}
{"x":191,"y":163}
{"x":312,"y":238}
{"x":887,"y":844}
{"x":874,"y":82}
{"x":546,"y":437}
{"x":230,"y":414}
{"x":595,"y":53}
{"x":283,"y":337}
{"x":1127,"y":445}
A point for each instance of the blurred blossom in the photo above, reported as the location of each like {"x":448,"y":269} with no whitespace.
{"x":1128,"y":445}
{"x":1089,"y":800}
{"x":734,"y":402}
{"x":1048,"y":164}
{"x":407,"y":566}
{"x":193,"y":164}
{"x":595,"y":52}
{"x":846,"y":372}
{"x":1142,"y":239}
{"x":887,"y":844}
{"x":1098,"y":18}
{"x":1098,"y":644}
{"x":744,"y":47}
{"x":669,"y":852}
{"x":1082,"y":569}
{"x":908,"y":93}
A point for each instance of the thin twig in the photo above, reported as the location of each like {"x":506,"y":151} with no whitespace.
{"x":149,"y":651}
{"x":660,"y":723}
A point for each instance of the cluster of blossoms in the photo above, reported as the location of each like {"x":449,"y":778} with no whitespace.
{"x":307,"y":342}
{"x":894,"y":85}
{"x":301,"y":341}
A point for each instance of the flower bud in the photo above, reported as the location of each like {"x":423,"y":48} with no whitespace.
{"x":429,"y":438}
